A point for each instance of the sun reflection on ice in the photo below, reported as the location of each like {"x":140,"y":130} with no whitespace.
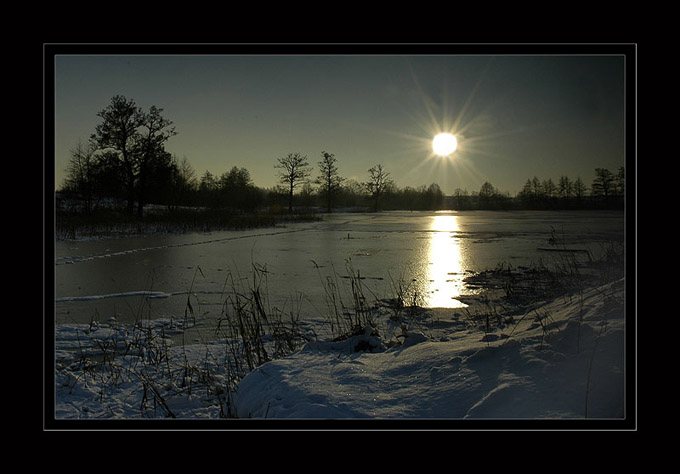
{"x":445,"y":269}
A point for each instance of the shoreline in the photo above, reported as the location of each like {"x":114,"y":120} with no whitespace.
{"x":425,"y":327}
{"x":516,"y":315}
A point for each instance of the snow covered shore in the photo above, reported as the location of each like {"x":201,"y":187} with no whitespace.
{"x":560,"y":359}
{"x":563,"y":360}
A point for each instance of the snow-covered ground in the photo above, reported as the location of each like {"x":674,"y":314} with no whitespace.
{"x":559,"y":359}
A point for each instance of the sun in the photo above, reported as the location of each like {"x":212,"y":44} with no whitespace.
{"x":444,"y":144}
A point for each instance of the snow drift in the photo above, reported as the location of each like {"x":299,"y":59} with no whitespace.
{"x":562,"y":360}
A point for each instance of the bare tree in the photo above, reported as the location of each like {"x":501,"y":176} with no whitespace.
{"x":604,"y":183}
{"x":329,"y":179}
{"x":80,"y":173}
{"x":186,"y":172}
{"x":118,"y":131}
{"x":566,"y":187}
{"x":549,"y":188}
{"x":183,"y":182}
{"x":377,"y":183}
{"x":580,"y":189}
{"x":150,"y":151}
{"x":620,"y":181}
{"x":293,"y":172}
{"x":140,"y":153}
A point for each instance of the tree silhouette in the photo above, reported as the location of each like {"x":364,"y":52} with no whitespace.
{"x":621,"y":181}
{"x":183,"y":183}
{"x":377,"y":183}
{"x":236,"y":188}
{"x":293,"y":172}
{"x":566,"y":187}
{"x":141,"y":153}
{"x":579,"y":189}
{"x":118,"y":132}
{"x":604,"y":183}
{"x":152,"y":159}
{"x":487,"y":195}
{"x":81,"y":172}
{"x":329,"y":179}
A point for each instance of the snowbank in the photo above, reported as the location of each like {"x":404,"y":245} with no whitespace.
{"x":562,"y":359}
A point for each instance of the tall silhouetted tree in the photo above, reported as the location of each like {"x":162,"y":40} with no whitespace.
{"x":183,"y":183}
{"x":621,"y":181}
{"x":81,"y":173}
{"x":549,"y":188}
{"x":118,"y":131}
{"x":580,"y":189}
{"x":527,"y":195}
{"x":565,"y":187}
{"x":604,"y":183}
{"x":378,"y":182}
{"x":207,"y":190}
{"x":139,"y":140}
{"x":152,"y":159}
{"x":293,"y":172}
{"x":329,"y":179}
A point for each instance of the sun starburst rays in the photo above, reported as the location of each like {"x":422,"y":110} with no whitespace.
{"x":473,"y":124}
{"x":470,"y":118}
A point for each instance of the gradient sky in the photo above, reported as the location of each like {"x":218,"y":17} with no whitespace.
{"x":516,"y":116}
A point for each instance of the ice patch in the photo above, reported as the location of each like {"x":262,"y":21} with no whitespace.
{"x":146,"y":294}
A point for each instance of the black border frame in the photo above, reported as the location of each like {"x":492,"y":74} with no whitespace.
{"x":464,"y":428}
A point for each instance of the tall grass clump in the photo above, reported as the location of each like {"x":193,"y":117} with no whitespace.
{"x":406,"y":298}
{"x":113,"y":356}
{"x":254,"y":331}
{"x":349,"y":309}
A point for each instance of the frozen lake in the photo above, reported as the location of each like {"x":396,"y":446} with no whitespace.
{"x":151,"y":277}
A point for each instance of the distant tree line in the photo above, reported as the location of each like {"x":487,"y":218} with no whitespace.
{"x":125,"y":161}
{"x":606,"y":191}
